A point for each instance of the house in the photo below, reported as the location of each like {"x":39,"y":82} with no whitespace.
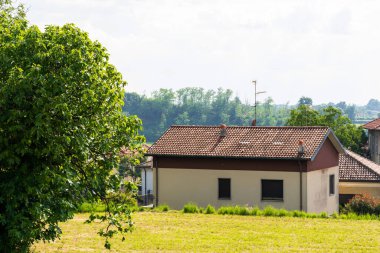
{"x":357,"y":175}
{"x":373,"y":128}
{"x":285,"y":167}
{"x":146,"y":170}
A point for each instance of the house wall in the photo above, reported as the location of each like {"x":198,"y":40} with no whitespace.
{"x":359,"y":187}
{"x":318,"y":186}
{"x":179,"y":186}
{"x":374,"y":145}
{"x":327,"y":157}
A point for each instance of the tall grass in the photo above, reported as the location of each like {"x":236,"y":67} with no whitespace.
{"x":270,"y":211}
{"x":191,"y":208}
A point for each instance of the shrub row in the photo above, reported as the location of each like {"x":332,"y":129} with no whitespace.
{"x":253,"y":211}
{"x":273,"y":212}
{"x":363,"y":204}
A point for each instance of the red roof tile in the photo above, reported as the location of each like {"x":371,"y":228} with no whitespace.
{"x":353,"y":167}
{"x":244,"y":142}
{"x":373,"y":125}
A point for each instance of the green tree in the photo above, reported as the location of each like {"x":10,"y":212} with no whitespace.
{"x":350,"y":136}
{"x":305,"y":101}
{"x":61,"y":130}
{"x":304,"y":115}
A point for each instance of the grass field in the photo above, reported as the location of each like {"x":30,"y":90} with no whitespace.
{"x":178,"y":232}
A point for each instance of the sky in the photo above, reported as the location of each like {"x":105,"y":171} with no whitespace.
{"x":326,"y":50}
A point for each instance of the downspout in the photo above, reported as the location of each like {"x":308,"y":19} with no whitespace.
{"x":301,"y":152}
{"x":156,"y":165}
{"x":300,"y":168}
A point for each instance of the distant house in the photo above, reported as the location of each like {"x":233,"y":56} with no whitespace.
{"x":286,"y":167}
{"x":357,"y":175}
{"x":146,"y":191}
{"x":374,"y":139}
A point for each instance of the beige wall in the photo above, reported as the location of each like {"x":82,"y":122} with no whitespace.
{"x":179,"y":186}
{"x":318,"y":195}
{"x":357,"y":188}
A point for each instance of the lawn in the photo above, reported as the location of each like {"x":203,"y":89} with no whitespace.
{"x":178,"y":232}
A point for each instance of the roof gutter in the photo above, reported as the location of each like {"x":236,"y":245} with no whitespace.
{"x":232,"y":157}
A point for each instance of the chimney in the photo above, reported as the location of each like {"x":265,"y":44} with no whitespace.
{"x":254,"y":122}
{"x":301,"y":148}
{"x":223,"y":130}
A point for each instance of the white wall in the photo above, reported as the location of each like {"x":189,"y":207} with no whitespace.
{"x":149,"y":180}
{"x":318,"y":196}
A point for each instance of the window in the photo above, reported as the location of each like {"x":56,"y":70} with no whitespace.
{"x":332,"y":184}
{"x":224,"y":188}
{"x":272,"y":190}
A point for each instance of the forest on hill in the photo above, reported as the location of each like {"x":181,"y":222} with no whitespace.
{"x":197,"y":106}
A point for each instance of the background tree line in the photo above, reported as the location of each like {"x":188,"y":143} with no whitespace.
{"x":197,"y":106}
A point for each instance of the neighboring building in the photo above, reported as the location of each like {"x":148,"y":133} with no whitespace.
{"x":146,"y":169}
{"x":374,"y":139}
{"x":286,"y":167}
{"x":357,"y":175}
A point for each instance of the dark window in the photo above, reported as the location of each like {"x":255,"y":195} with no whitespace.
{"x":224,"y":188}
{"x":272,"y":189}
{"x":332,"y":184}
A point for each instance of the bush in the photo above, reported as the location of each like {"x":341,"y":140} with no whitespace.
{"x":225,"y":210}
{"x":162,"y":208}
{"x":363,"y":204}
{"x":301,"y":214}
{"x":242,"y":210}
{"x":255,"y":211}
{"x":210,"y":210}
{"x":191,"y":208}
{"x":270,"y":211}
{"x":282,"y":213}
{"x":377,"y":210}
{"x":312,"y":215}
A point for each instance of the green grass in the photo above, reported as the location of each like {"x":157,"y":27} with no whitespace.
{"x":180,"y":232}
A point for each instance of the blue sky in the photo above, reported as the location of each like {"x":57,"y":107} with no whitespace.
{"x":326,"y":50}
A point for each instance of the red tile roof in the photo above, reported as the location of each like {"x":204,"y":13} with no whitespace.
{"x":243,"y":142}
{"x":355,"y":168}
{"x":373,"y":125}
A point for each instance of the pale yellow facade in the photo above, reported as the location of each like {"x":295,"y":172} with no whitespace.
{"x":318,"y":197}
{"x":176,"y":187}
{"x":359,"y":187}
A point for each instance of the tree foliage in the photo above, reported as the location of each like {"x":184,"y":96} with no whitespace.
{"x":350,"y":136}
{"x":196,"y":106}
{"x":305,"y":101}
{"x":61,"y":129}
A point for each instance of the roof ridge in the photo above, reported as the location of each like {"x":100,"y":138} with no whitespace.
{"x":212,"y":126}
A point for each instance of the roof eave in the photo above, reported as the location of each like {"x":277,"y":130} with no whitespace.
{"x":232,"y":157}
{"x":359,"y":181}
